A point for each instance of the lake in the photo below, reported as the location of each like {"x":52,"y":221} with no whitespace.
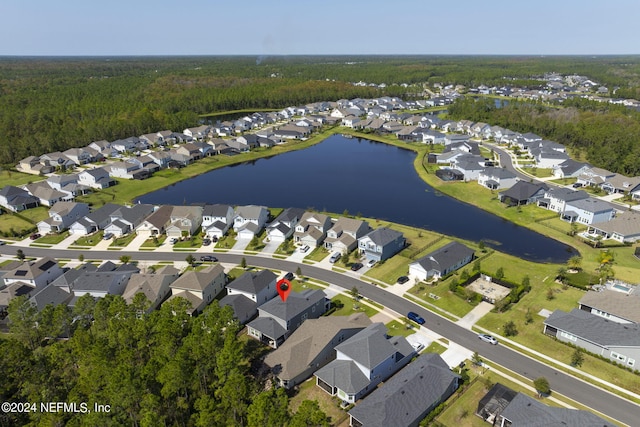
{"x":363,"y":177}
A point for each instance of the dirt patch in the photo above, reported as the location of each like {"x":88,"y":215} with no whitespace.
{"x":490,"y":291}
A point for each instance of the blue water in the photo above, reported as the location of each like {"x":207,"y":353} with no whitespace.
{"x":363,"y":177}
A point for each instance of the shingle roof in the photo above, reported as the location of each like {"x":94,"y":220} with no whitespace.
{"x":617,"y":303}
{"x":217,"y":210}
{"x":198,"y":280}
{"x":523,"y":190}
{"x":590,"y":205}
{"x":595,"y":329}
{"x":253,"y":283}
{"x":345,"y":375}
{"x":527,"y":412}
{"x":445,"y":257}
{"x":383,"y":236}
{"x":268,"y":327}
{"x":243,"y":307}
{"x":295,"y":304}
{"x":626,"y":224}
{"x":403,"y":399}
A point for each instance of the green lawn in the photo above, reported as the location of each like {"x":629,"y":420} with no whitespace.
{"x":151,"y":243}
{"x":11,"y":177}
{"x":193,"y":242}
{"x":226,"y":242}
{"x":14,"y":226}
{"x":121,"y":242}
{"x":435,"y":347}
{"x":329,"y":405}
{"x":36,"y":215}
{"x":52,"y":239}
{"x":317,"y":254}
{"x":90,"y":240}
{"x":351,"y":307}
{"x":395,"y":328}
{"x":390,"y":270}
{"x":256,"y":244}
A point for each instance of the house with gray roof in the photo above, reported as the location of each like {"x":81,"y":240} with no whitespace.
{"x":502,"y":406}
{"x":96,"y":220}
{"x":496,"y":178}
{"x":284,"y":225}
{"x":16,"y":199}
{"x":96,"y":178}
{"x":259,"y":287}
{"x":364,"y":361}
{"x":570,"y":169}
{"x":61,"y":216}
{"x":46,"y":195}
{"x":311,"y":347}
{"x":249,"y":220}
{"x":441,"y":262}
{"x":588,"y":211}
{"x":408,"y":396}
{"x":470,"y":165}
{"x":312,"y":229}
{"x":613,"y":304}
{"x":216,"y":220}
{"x":617,"y":342}
{"x":556,"y":198}
{"x":155,"y":287}
{"x":243,"y":308}
{"x":277,"y":319}
{"x":126,"y":219}
{"x":381,"y":244}
{"x":625,"y":228}
{"x":50,"y":295}
{"x":523,"y":193}
{"x":199,"y":287}
{"x":14,"y":290}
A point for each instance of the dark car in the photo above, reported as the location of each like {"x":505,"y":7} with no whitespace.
{"x":208,"y":258}
{"x":577,"y":185}
{"x":403,"y":279}
{"x":289,"y":276}
{"x":356,"y":266}
{"x":35,"y":236}
{"x":206,"y":242}
{"x":415,"y":317}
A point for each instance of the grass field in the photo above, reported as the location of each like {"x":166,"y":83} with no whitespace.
{"x":349,"y":306}
{"x":52,"y":239}
{"x":395,"y":328}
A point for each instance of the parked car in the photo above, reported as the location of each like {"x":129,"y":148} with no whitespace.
{"x":208,"y":258}
{"x":403,"y":279}
{"x":2,"y":243}
{"x":35,"y":236}
{"x":576,"y":185}
{"x":356,"y":266}
{"x":289,"y":276}
{"x":206,"y":242}
{"x":415,"y":317}
{"x":304,"y":249}
{"x":173,"y":240}
{"x":335,"y":257}
{"x":488,"y":338}
{"x":371,"y":262}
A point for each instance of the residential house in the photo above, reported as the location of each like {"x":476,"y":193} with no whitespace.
{"x":57,"y":160}
{"x":156,"y":287}
{"x":343,"y":236}
{"x":249,"y":220}
{"x":156,"y":224}
{"x":381,"y":244}
{"x":80,"y":156}
{"x":615,"y":341}
{"x":104,"y":148}
{"x":96,"y":178}
{"x":470,"y":165}
{"x":178,"y":159}
{"x":259,"y":287}
{"x":621,"y":184}
{"x":588,"y":211}
{"x":33,"y":166}
{"x":311,"y":347}
{"x":126,"y":219}
{"x":625,"y":228}
{"x":61,"y":216}
{"x":277,"y":319}
{"x":123,"y":170}
{"x":198,"y":133}
{"x":16,"y":199}
{"x":312,"y":229}
{"x":108,"y":279}
{"x":190,"y":149}
{"x":503,"y":407}
{"x":594,"y":177}
{"x":14,"y":290}
{"x":441,"y":262}
{"x":67,"y":184}
{"x":556,"y":198}
{"x":523,"y":193}
{"x":549,"y":159}
{"x":161,"y":158}
{"x":216,"y":220}
{"x":364,"y":361}
{"x":497,"y":178}
{"x":96,"y":220}
{"x":50,"y":295}
{"x":185,"y":221}
{"x":570,"y":169}
{"x":409,"y":395}
{"x":243,"y":308}
{"x":284,"y":225}
{"x":37,"y":273}
{"x":199,"y":287}
{"x":46,"y":195}
{"x":612,"y":303}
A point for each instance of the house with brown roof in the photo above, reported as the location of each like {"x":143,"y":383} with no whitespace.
{"x":155,"y":287}
{"x":312,"y":229}
{"x":311,"y":347}
{"x":156,"y":223}
{"x":37,"y":273}
{"x":343,"y":236}
{"x":621,"y":306}
{"x":185,"y":221}
{"x":199,"y":287}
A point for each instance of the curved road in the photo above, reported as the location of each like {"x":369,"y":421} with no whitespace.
{"x":578,"y":390}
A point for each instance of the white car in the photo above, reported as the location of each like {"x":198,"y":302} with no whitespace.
{"x":371,"y":263}
{"x":335,"y":257}
{"x":488,"y":338}
{"x":304,"y":249}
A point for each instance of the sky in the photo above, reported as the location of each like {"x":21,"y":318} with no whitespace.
{"x":284,"y":27}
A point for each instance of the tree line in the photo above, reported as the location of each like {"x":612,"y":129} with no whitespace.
{"x":161,"y":368}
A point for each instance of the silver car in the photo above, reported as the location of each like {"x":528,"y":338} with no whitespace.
{"x":488,"y":338}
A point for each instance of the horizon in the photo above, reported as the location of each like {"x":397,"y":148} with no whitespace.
{"x":411,"y":27}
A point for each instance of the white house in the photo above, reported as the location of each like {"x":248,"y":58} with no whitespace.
{"x":496,"y":178}
{"x":249,"y":220}
{"x":216,"y":220}
{"x":61,"y":216}
{"x":284,"y":225}
{"x":588,"y":211}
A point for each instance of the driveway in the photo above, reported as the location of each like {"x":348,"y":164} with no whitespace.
{"x":241,"y":244}
{"x":270,"y":247}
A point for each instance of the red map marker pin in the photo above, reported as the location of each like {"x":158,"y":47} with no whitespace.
{"x":284,"y":287}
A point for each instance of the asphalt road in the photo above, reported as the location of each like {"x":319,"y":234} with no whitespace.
{"x":613,"y":406}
